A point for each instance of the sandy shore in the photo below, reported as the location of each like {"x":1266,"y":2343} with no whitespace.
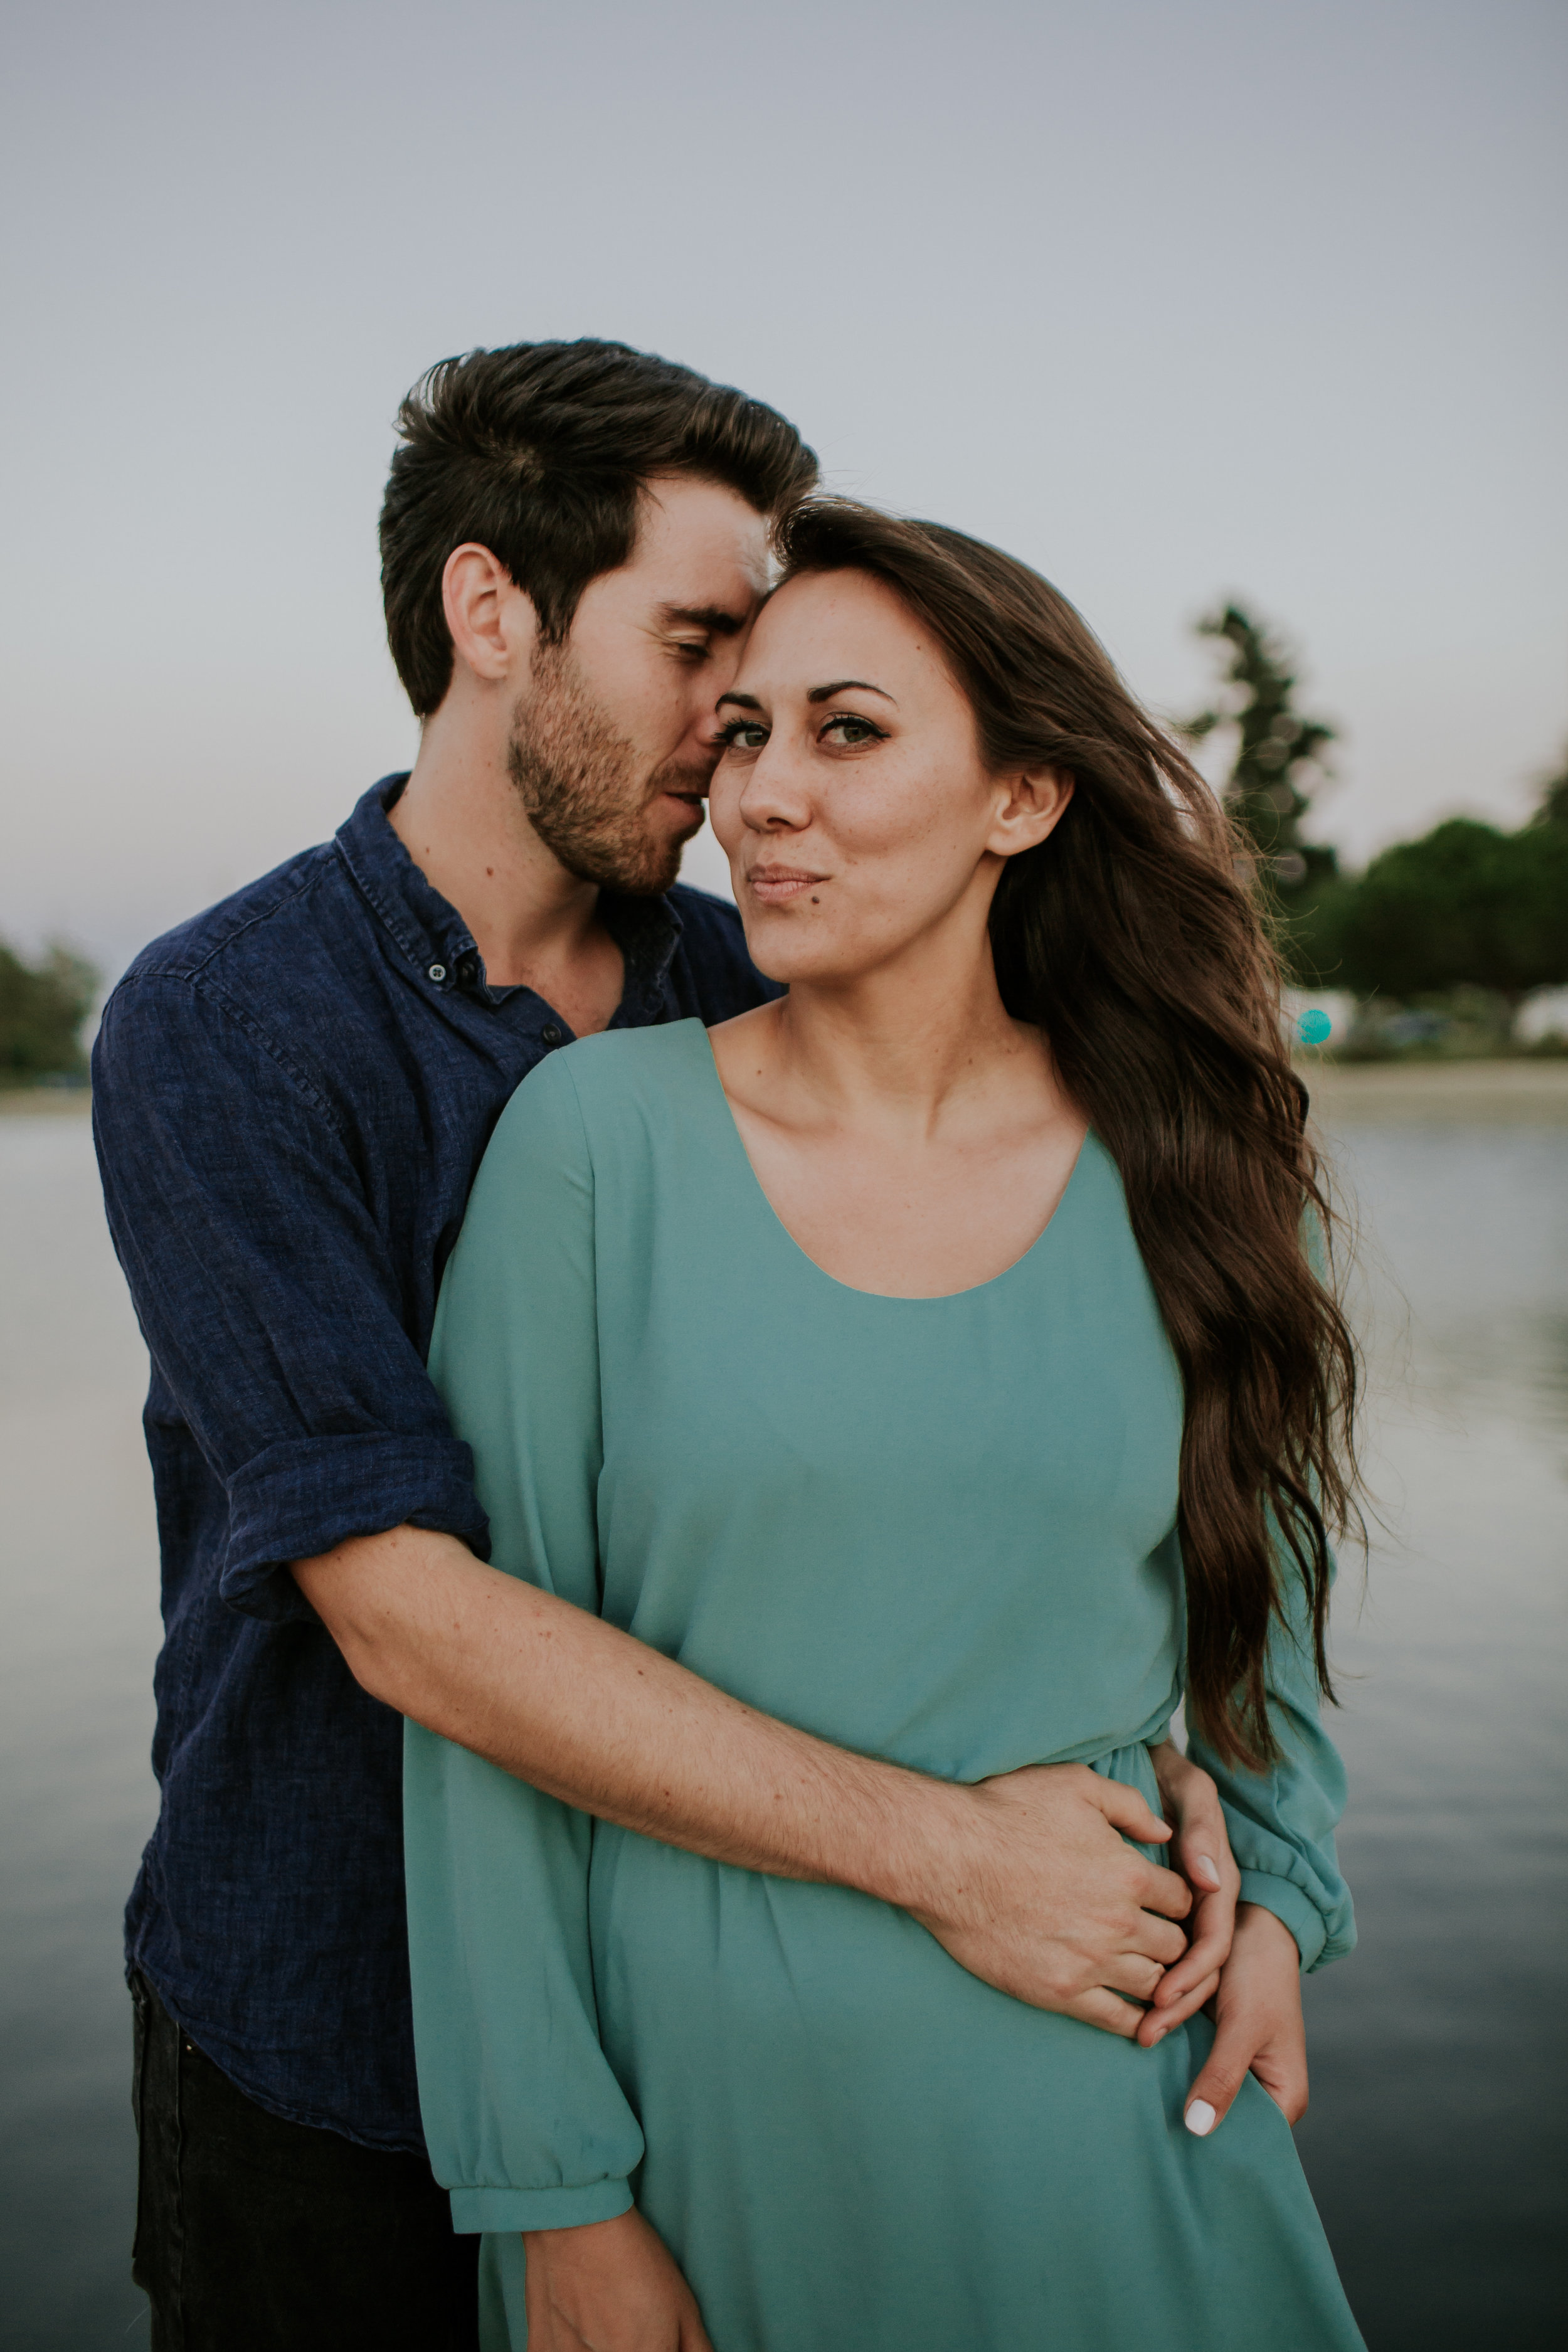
{"x":1360,"y":1094}
{"x":1438,"y":1094}
{"x":44,"y":1102}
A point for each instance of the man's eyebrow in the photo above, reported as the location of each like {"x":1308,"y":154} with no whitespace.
{"x":712,"y":617}
{"x":842,"y":686}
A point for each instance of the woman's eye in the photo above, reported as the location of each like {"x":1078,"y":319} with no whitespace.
{"x":743,"y":735}
{"x":848,"y":731}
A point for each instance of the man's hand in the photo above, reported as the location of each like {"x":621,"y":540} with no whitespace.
{"x":609,"y":2286}
{"x":1258,"y":2013}
{"x":1200,"y":1850}
{"x":1050,"y":1905}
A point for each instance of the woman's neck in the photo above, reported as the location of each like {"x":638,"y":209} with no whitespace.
{"x":911,"y":1137}
{"x":908,"y":1047}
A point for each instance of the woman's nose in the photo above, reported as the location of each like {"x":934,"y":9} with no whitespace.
{"x":773,"y":793}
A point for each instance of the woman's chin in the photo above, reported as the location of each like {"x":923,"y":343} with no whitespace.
{"x":781,"y":950}
{"x":793,"y":964}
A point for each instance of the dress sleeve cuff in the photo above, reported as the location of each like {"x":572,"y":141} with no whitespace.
{"x":1292,"y":1907}
{"x":294,"y":1500}
{"x":504,"y":2210}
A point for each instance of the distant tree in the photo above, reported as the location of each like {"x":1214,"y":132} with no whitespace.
{"x":1466,"y":904}
{"x":1554,"y":809}
{"x":1279,"y":762}
{"x":42,"y":1008}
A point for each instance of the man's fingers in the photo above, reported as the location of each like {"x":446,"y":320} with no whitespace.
{"x":1130,"y":1972}
{"x":1160,"y":1889}
{"x":1104,"y":2009}
{"x":1125,"y":1809}
{"x":1154,"y":1938}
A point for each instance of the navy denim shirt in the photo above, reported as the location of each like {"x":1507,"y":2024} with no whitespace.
{"x":291,"y":1096}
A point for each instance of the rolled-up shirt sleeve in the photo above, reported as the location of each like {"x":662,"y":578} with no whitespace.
{"x":266,"y":1291}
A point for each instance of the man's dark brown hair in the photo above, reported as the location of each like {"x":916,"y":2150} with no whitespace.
{"x":539,"y":453}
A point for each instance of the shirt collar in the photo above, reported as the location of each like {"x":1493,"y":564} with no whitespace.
{"x":434,"y":936}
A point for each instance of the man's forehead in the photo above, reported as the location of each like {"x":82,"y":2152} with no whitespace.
{"x":701,"y":549}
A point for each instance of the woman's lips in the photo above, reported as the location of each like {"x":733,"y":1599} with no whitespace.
{"x":775,"y":884}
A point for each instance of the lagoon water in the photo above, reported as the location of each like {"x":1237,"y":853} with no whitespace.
{"x":1436,"y":2139}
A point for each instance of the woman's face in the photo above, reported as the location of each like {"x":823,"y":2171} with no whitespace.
{"x":851,"y":799}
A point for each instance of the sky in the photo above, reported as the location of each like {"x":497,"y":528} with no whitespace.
{"x":1175,"y":298}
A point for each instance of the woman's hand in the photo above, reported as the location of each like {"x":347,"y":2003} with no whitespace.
{"x":1258,"y":2014}
{"x":1200,"y":1850}
{"x":608,"y":2286}
{"x":1050,"y":1904}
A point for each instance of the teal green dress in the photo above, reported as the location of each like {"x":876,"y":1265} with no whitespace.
{"x":939,"y":1530}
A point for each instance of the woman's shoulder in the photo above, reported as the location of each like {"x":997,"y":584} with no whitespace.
{"x":629,"y":1061}
{"x":623,"y":1081}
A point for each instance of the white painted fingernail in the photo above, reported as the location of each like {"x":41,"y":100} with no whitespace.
{"x":1205,"y":1869}
{"x":1200,"y":2118}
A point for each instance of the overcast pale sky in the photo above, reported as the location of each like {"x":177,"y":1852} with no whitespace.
{"x":1172,"y":297}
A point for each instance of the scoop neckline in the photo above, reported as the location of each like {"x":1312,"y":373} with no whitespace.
{"x":850,"y":1290}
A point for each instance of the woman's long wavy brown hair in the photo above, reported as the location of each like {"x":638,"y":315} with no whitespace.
{"x":1132,"y":939}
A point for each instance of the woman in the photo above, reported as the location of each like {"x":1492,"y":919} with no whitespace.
{"x":933,"y":1357}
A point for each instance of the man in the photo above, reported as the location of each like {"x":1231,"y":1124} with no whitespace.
{"x":292,"y":1094}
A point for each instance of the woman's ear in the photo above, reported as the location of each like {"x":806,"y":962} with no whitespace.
{"x":493,"y":623}
{"x":1028,"y":807}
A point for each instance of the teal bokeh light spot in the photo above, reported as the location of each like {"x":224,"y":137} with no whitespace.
{"x":1315,"y":1027}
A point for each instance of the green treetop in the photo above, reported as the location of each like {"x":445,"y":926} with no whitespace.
{"x":1554,"y":809}
{"x":1279,"y":755}
{"x":42,"y":1008}
{"x":1467,"y":904}
{"x":1280,"y":763}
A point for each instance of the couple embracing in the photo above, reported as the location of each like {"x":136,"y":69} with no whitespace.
{"x":699,"y":1450}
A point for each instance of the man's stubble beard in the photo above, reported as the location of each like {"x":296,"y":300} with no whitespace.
{"x":578,"y":783}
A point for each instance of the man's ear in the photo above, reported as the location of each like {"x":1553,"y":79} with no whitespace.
{"x":493,"y":623}
{"x":1028,"y":807}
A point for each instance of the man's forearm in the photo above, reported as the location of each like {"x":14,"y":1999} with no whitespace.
{"x":596,"y":1718}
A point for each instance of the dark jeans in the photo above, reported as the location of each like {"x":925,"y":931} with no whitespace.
{"x":257,"y":2235}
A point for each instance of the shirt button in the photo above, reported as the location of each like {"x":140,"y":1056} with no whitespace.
{"x":437,"y":972}
{"x":550,"y":1033}
{"x":468,"y":972}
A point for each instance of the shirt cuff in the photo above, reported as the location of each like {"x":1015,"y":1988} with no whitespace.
{"x":1290,"y":1906}
{"x":295,"y":1500}
{"x":506,"y":2209}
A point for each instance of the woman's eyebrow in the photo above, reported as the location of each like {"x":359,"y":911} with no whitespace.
{"x":817,"y":694}
{"x":842,"y":686}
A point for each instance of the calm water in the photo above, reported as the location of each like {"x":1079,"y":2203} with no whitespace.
{"x":1436,"y":2142}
